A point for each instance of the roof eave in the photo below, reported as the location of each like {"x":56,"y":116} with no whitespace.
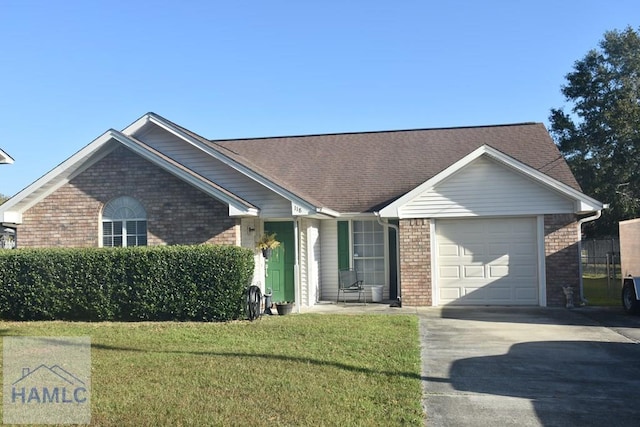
{"x":5,"y":159}
{"x":217,"y":154}
{"x":583,"y":203}
{"x":237,"y":206}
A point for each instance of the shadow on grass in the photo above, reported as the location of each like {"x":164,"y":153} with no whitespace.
{"x":278,"y":357}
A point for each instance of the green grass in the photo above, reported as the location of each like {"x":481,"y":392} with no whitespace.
{"x":290,"y":370}
{"x":598,"y":293}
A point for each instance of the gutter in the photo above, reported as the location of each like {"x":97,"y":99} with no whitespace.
{"x":397,"y":230}
{"x":597,"y":215}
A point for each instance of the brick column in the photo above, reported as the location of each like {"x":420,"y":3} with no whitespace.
{"x":561,"y":257}
{"x":415,"y":262}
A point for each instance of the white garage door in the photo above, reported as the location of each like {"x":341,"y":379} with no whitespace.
{"x":487,"y":261}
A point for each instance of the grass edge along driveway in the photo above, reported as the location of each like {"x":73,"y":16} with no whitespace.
{"x":307,"y":369}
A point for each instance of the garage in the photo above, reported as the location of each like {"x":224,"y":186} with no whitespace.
{"x":487,"y":261}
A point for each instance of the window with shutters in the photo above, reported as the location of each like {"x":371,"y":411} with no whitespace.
{"x":361,"y":245}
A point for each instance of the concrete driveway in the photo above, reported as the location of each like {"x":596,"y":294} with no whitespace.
{"x":530,"y":367}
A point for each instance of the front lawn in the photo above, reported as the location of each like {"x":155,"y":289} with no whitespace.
{"x":289,"y":370}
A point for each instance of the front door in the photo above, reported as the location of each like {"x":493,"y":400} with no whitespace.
{"x":280,"y":266}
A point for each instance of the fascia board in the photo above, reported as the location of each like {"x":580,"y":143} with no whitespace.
{"x":159,"y":121}
{"x":328,"y":212}
{"x":137,"y":125}
{"x":5,"y":159}
{"x":393,"y":209}
{"x":234,"y":206}
{"x":55,"y":178}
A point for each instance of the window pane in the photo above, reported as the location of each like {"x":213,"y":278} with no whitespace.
{"x":131,"y":240}
{"x":117,"y":228}
{"x":117,"y":241}
{"x":142,"y":227}
{"x":368,"y":244}
{"x":107,"y":241}
{"x":142,"y":240}
{"x":107,"y":228}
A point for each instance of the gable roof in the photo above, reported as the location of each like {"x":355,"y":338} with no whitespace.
{"x":330,"y":174}
{"x":11,"y":211}
{"x":237,"y":162}
{"x":363,"y":172}
{"x":5,"y":158}
{"x":582,"y":203}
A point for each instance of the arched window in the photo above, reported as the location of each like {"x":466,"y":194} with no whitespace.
{"x":124,"y":223}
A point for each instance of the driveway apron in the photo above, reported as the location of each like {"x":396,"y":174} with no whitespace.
{"x":489,"y":366}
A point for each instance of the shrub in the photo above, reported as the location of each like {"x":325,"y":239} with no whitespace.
{"x":143,"y":283}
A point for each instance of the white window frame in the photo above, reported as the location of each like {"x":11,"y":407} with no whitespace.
{"x":127,"y":213}
{"x":363,"y":243}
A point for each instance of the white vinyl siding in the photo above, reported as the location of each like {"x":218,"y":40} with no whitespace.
{"x":485,"y":188}
{"x":328,"y":260}
{"x":271,"y":204}
{"x":487,"y":261}
{"x":309,"y":260}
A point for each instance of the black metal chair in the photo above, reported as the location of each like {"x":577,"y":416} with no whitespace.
{"x":349,"y":282}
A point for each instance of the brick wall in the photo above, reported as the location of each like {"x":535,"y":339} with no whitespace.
{"x":415,"y":262}
{"x":177,"y":213}
{"x":562,"y":258}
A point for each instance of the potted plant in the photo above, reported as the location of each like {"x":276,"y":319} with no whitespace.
{"x":284,"y":307}
{"x":267,"y":243}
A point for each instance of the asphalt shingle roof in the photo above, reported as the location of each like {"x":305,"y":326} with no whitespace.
{"x":362,"y":172}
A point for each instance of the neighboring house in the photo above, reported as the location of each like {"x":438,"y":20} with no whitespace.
{"x":5,"y":158}
{"x":486,"y":215}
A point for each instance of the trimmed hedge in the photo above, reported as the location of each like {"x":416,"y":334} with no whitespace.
{"x":201,"y":283}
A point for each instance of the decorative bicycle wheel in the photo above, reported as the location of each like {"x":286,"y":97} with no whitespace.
{"x":254,"y":296}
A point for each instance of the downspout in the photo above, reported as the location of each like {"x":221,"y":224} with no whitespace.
{"x":397,"y":230}
{"x":580,"y":222}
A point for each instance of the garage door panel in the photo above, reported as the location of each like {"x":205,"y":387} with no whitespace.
{"x":527,"y":294}
{"x":487,"y":261}
{"x":450,"y":272}
{"x":448,"y":250}
{"x":473,"y":294}
{"x":498,"y":271}
{"x":498,"y":249}
{"x":450,"y":293}
{"x":473,"y":271}
{"x":525,"y":248}
{"x":473,"y":250}
{"x":499,"y":294}
{"x":529,"y":273}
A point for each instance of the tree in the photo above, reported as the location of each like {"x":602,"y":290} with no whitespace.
{"x":3,"y":198}
{"x":600,"y":138}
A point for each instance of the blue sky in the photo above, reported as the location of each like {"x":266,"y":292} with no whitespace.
{"x":71,"y":69}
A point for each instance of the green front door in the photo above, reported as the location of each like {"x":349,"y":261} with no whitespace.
{"x":280,"y":266}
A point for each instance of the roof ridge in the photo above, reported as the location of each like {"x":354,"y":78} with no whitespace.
{"x":374,"y":132}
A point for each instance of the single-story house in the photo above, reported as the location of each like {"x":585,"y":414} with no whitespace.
{"x":5,"y":158}
{"x":482,"y":215}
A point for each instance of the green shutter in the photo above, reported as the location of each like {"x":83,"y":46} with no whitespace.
{"x":343,"y":245}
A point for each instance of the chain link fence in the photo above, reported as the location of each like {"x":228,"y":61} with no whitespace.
{"x":601,"y":271}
